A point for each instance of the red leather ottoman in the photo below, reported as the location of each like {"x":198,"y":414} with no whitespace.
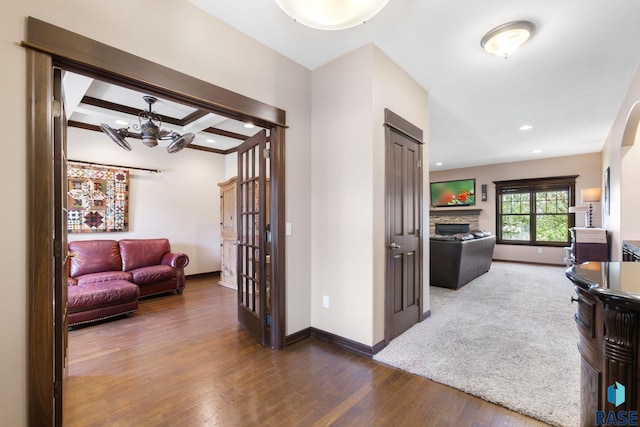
{"x":100,"y":300}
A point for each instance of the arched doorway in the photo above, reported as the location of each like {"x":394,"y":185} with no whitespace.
{"x":629,"y":204}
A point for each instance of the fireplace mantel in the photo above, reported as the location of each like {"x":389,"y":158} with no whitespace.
{"x":456,"y":212}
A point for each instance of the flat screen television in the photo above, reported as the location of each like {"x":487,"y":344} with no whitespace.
{"x":461,"y":192}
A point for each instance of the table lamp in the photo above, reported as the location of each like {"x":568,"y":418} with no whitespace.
{"x":590,"y":196}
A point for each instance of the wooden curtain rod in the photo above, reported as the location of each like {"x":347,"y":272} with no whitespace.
{"x":115,"y":166}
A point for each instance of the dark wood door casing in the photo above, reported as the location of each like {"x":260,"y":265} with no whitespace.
{"x":60,"y":243}
{"x":41,"y":338}
{"x":83,"y":55}
{"x":49,"y":46}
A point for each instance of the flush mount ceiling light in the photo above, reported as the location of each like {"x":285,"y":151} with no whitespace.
{"x":331,"y":14}
{"x":150,"y":132}
{"x":507,"y":38}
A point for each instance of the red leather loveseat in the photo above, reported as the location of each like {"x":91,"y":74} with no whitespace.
{"x":106,"y":277}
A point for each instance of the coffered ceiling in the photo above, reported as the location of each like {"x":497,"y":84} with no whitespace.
{"x":90,"y":102}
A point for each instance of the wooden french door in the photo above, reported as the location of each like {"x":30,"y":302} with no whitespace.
{"x":404,"y":242}
{"x":252,"y":274}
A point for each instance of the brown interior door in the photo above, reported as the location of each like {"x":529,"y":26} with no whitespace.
{"x":253,"y":288}
{"x":60,"y":243}
{"x":404,"y":244}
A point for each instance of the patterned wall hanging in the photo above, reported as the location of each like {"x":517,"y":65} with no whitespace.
{"x":97,"y":199}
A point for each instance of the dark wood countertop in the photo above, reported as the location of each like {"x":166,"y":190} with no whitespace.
{"x":610,"y":282}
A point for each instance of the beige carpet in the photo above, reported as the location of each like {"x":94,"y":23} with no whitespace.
{"x":508,"y":337}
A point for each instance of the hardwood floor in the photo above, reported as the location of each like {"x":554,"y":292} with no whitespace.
{"x":182,"y":360}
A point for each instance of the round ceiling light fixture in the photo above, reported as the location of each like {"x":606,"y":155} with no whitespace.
{"x":502,"y":41}
{"x":331,"y":14}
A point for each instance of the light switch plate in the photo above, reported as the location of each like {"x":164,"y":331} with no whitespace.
{"x":325,"y":301}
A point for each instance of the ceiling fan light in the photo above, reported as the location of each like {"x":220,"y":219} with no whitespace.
{"x":149,"y":142}
{"x":149,"y":133}
{"x":502,"y":41}
{"x":331,"y":14}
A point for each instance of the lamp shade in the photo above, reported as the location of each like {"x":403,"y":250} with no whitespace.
{"x":590,"y":195}
{"x":331,"y":14}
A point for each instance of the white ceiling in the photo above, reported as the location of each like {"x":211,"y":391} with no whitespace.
{"x":568,"y":81}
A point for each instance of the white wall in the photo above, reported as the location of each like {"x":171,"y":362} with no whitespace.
{"x":586,"y":165}
{"x":207,"y":50}
{"x":182,"y":203}
{"x":231,"y":165}
{"x":630,"y":202}
{"x":394,"y":89}
{"x":342,"y":196}
{"x":13,"y":310}
{"x":348,"y":211}
{"x":623,"y":222}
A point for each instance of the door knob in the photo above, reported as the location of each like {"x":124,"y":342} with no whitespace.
{"x":394,"y":246}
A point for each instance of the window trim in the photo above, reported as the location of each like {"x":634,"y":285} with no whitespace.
{"x":532,"y":185}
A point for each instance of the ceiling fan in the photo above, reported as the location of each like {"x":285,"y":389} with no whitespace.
{"x":150,"y":131}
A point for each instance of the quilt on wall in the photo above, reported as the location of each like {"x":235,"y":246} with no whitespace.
{"x":97,"y":199}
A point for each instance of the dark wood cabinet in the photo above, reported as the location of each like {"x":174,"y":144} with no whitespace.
{"x":607,"y":317}
{"x":590,"y":326}
{"x":583,"y":252}
{"x":589,"y":245}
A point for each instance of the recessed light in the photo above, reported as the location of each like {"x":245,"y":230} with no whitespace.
{"x":525,"y":127}
{"x":122,"y":122}
{"x":249,"y":125}
{"x":439,"y":164}
{"x":537,"y":151}
{"x":211,"y":140}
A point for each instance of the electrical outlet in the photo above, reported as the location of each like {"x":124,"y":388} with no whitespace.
{"x":325,"y":301}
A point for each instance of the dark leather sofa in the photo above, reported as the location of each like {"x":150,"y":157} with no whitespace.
{"x":456,"y":260}
{"x":106,"y":277}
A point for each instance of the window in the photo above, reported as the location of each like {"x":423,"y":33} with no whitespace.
{"x":535,"y":211}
